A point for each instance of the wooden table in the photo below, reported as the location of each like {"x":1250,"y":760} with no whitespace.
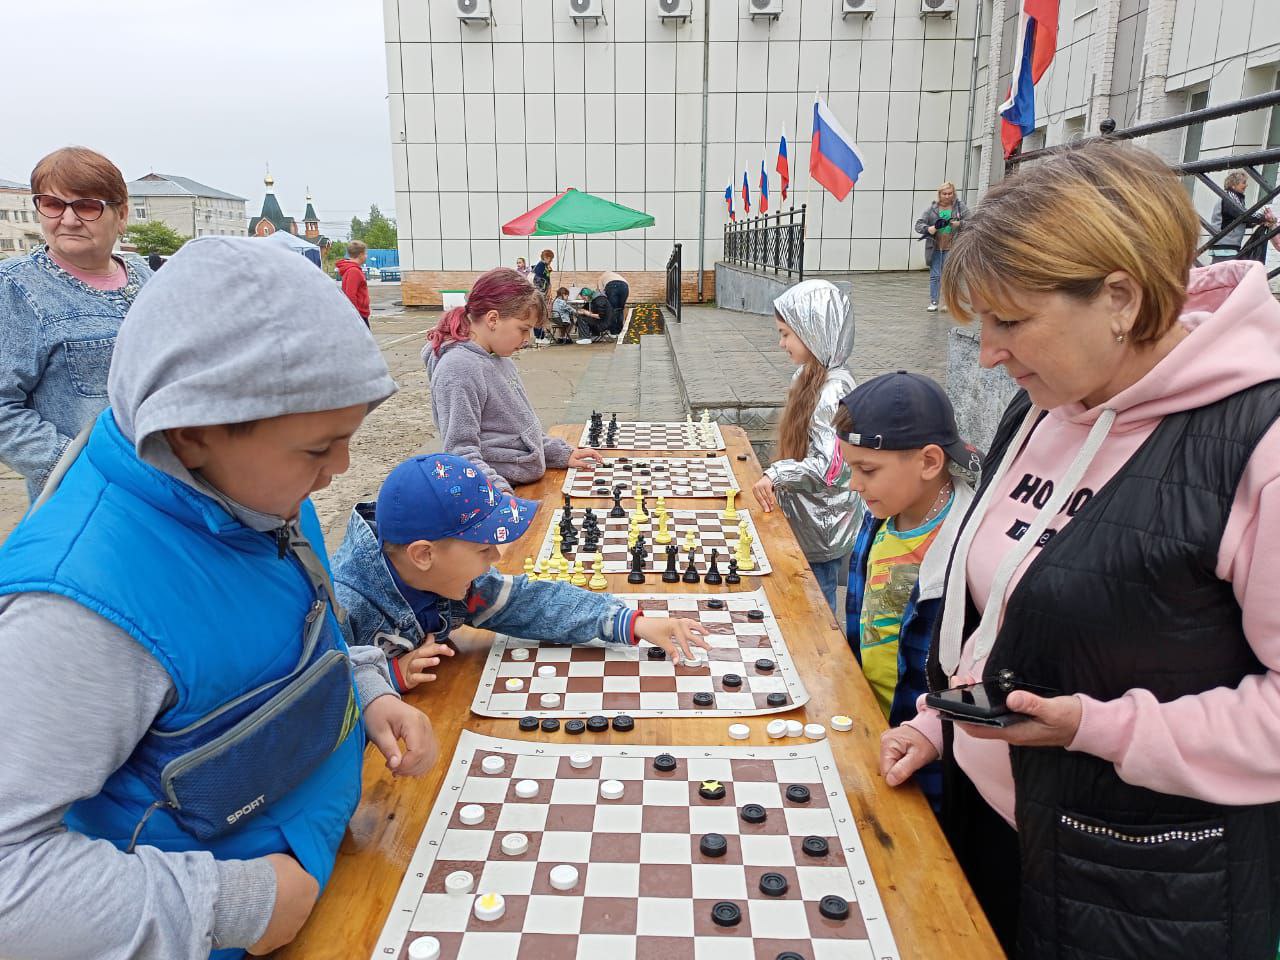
{"x":930,"y":906}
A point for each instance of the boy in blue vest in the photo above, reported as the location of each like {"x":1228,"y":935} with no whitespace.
{"x":905,"y":458}
{"x":420,"y":562}
{"x":178,"y":784}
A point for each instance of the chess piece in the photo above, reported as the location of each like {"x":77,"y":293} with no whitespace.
{"x":528,"y":570}
{"x":732,"y":577}
{"x":568,"y":506}
{"x":671,"y":574}
{"x":579,"y":578}
{"x":537,"y":571}
{"x":640,"y":513}
{"x":691,"y":571}
{"x":713,"y":573}
{"x":689,"y":542}
{"x":637,"y":563}
{"x":598,"y":580}
{"x":660,"y":505}
{"x":590,"y":521}
{"x":746,"y":560}
{"x":663,"y":535}
{"x":730,"y":511}
{"x":617,"y":510}
{"x":556,"y":554}
{"x":564,"y":572}
{"x":633,"y":533}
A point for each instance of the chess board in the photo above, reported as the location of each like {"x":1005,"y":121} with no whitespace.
{"x":606,"y":679}
{"x":710,"y":532}
{"x":668,"y":477}
{"x":652,"y":435}
{"x":644,"y":888}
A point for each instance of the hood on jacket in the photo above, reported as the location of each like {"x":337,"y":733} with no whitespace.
{"x":820,"y":314}
{"x":345,"y":266}
{"x":1233,"y":343}
{"x":234,"y":330}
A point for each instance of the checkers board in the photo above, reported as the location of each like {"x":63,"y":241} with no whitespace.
{"x":710,"y":532}
{"x":644,"y":888}
{"x":611,"y":678}
{"x":668,"y":477}
{"x":654,"y":435}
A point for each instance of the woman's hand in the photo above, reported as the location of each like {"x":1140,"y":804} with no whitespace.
{"x":1053,"y":721}
{"x":932,"y":231}
{"x":414,"y":663}
{"x":389,"y":720}
{"x":584,"y":455}
{"x":903,"y":751}
{"x":763,"y":492}
{"x":675,"y":635}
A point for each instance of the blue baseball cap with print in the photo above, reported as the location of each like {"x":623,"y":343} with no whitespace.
{"x":907,"y":411}
{"x":440,"y":497}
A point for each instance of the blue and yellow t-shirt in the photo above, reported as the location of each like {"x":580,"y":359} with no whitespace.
{"x":893,"y":568}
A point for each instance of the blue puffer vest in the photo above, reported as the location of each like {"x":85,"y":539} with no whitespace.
{"x":219,"y":609}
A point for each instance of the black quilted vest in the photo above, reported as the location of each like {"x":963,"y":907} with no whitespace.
{"x":1126,"y":596}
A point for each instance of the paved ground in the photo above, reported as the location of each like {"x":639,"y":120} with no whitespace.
{"x":723,"y":359}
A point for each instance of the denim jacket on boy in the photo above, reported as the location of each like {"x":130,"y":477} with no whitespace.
{"x":923,"y":607}
{"x":57,"y":335}
{"x":545,"y":611}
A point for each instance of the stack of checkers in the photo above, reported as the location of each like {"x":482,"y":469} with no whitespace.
{"x":747,"y":671}
{"x":658,"y":852}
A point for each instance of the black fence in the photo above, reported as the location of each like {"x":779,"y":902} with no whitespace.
{"x":774,"y":241}
{"x":673,"y":282}
{"x":1258,"y":233}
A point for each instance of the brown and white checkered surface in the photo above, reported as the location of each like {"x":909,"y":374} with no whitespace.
{"x":658,"y":476}
{"x":710,"y":532}
{"x":600,"y":678}
{"x":644,"y":891}
{"x":656,"y":435}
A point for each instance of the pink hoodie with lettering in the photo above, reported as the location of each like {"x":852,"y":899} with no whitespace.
{"x":1221,"y":745}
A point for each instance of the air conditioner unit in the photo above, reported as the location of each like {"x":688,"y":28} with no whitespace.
{"x":581,"y":10}
{"x":772,"y":9}
{"x":674,"y":9}
{"x":864,"y":7}
{"x":937,"y":8}
{"x":474,"y":11}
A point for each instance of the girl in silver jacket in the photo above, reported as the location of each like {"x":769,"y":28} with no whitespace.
{"x":815,"y":328}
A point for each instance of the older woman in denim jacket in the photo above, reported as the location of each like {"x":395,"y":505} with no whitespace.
{"x":60,"y":309}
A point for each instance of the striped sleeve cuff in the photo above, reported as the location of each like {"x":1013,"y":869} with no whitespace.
{"x":624,"y":625}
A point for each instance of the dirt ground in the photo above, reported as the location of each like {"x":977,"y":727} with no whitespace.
{"x":402,"y":426}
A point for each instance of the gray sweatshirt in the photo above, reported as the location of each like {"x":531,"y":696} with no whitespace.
{"x":484,"y":415}
{"x":231,"y":330}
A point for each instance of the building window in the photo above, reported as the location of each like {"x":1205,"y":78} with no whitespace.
{"x":139,"y":213}
{"x":6,"y":244}
{"x":1272,"y":170}
{"x":1195,"y":134}
{"x":4,"y":214}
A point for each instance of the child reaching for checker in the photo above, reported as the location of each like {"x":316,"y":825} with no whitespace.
{"x":815,"y":329}
{"x":420,"y":562}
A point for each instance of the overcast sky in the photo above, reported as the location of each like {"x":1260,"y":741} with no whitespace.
{"x":209,"y":89}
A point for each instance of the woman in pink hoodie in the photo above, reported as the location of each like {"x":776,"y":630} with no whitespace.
{"x":1121,"y":550}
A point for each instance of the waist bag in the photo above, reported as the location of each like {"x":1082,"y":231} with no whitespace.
{"x":220,"y":772}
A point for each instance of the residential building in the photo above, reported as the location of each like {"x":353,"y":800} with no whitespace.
{"x":19,"y":222}
{"x":191,"y":208}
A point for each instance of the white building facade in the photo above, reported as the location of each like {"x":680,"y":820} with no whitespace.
{"x":491,"y":117}
{"x":191,"y":208}
{"x":19,"y":222}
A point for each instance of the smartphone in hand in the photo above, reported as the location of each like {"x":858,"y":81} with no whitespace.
{"x":983,"y":702}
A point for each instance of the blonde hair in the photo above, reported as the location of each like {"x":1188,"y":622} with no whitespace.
{"x":942,"y":186}
{"x":356,"y":247}
{"x":1065,"y":224}
{"x":802,"y":398}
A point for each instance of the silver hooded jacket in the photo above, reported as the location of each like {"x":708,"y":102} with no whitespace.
{"x":814,"y":493}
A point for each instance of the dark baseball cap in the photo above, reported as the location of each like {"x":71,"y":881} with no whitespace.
{"x":906,"y":411}
{"x":439,"y":497}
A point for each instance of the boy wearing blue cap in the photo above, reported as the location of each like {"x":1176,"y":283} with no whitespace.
{"x":420,"y":563}
{"x":181,"y":789}
{"x":903,"y":455}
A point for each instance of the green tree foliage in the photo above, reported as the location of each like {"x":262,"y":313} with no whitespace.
{"x":155,"y":237}
{"x":378,"y":232}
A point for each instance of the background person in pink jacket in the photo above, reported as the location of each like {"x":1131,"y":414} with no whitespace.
{"x":1122,"y":551}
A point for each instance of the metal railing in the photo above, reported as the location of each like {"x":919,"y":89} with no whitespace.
{"x":774,"y":241}
{"x":673,"y":282}
{"x":1254,"y":246}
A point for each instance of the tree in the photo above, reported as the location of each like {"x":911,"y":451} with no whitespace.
{"x":155,"y":236}
{"x":378,"y":232}
{"x":333,"y":253}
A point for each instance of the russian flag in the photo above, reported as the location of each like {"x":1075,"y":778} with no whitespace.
{"x":764,"y":189}
{"x":746,"y":194}
{"x":728,"y":199}
{"x":1037,"y":41}
{"x":783,"y":167}
{"x":834,"y":160}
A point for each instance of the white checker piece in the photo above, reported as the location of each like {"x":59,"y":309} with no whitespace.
{"x":559,"y":833}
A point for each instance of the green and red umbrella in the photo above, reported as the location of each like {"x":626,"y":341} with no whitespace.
{"x":576,"y":212}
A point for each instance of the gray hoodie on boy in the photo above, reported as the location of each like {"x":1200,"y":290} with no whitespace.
{"x":231,"y":330}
